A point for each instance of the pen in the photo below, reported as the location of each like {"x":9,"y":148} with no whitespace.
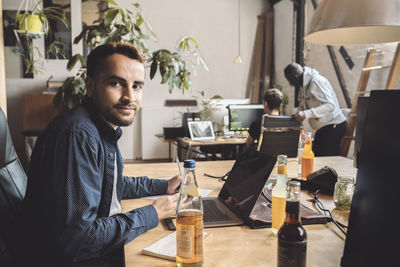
{"x":180,"y":172}
{"x":179,"y":167}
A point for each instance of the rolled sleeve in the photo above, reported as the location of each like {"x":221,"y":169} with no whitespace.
{"x":135,"y":187}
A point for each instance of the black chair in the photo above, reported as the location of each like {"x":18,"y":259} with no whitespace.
{"x":279,"y":136}
{"x":13,"y":182}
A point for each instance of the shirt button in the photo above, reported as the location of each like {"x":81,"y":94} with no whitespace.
{"x":111,"y":155}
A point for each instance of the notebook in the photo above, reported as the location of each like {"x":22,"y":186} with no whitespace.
{"x":240,"y":192}
{"x":201,"y":131}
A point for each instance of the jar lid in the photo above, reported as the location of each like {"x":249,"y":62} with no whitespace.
{"x":346,"y":179}
{"x":189,"y":163}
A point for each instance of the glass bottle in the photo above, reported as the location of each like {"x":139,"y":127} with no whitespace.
{"x":307,"y":158}
{"x":343,"y":194}
{"x":189,"y":220}
{"x":300,"y":150}
{"x":292,"y":237}
{"x":279,"y":195}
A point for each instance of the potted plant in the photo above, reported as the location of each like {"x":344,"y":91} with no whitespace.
{"x":121,"y":24}
{"x":33,"y":24}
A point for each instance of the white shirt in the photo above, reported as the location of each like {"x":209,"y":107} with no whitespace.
{"x":318,"y":100}
{"x":115,"y":205}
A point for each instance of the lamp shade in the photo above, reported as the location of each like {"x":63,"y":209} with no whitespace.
{"x":352,"y":22}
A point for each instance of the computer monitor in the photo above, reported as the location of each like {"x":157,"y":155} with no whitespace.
{"x":241,"y":116}
{"x":219,"y":115}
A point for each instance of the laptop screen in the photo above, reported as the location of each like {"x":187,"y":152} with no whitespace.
{"x":201,"y":130}
{"x":245,"y":182}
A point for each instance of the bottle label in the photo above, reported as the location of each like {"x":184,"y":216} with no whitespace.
{"x":282,"y":169}
{"x":185,"y":241}
{"x":191,"y":190}
{"x":189,"y":236}
{"x":292,"y":253}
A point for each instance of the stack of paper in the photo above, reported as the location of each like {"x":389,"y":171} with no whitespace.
{"x":164,"y":248}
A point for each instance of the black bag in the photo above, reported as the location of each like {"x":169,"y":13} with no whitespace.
{"x":323,"y":180}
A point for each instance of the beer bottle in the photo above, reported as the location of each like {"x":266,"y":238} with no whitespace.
{"x":279,"y":195}
{"x":307,"y":158}
{"x":292,"y":237}
{"x":302,"y":140}
{"x":189,"y":220}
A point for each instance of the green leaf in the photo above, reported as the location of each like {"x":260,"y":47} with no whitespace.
{"x":111,"y":2}
{"x":153,"y":69}
{"x":111,"y":13}
{"x":185,"y":81}
{"x":139,"y":20}
{"x":165,"y":77}
{"x":72,"y":62}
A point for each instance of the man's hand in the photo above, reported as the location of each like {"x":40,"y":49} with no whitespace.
{"x":166,"y":206}
{"x":174,"y":184}
{"x":299,"y":116}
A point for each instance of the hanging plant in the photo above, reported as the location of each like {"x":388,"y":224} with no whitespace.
{"x":33,"y":24}
{"x":120,"y":24}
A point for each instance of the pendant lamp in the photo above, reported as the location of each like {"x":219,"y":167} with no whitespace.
{"x":238,"y":58}
{"x":355,"y":22}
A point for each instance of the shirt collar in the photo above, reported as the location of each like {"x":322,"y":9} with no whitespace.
{"x":105,"y":129}
{"x":308,"y":74}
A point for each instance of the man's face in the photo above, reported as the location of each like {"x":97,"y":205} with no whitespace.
{"x":293,"y":79}
{"x":117,"y":89}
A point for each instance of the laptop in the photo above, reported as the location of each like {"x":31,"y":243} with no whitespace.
{"x":201,"y":131}
{"x":240,"y":192}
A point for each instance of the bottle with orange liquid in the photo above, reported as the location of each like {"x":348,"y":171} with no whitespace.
{"x":307,"y":158}
{"x":189,"y":220}
{"x":279,"y":195}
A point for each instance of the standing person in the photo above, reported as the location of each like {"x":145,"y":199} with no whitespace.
{"x":319,"y":104}
{"x":72,"y":211}
{"x":272,"y":103}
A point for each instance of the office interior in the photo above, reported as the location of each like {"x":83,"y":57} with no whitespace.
{"x":221,"y":29}
{"x":224,"y":30}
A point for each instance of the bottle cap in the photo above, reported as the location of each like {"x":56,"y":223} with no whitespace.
{"x":189,"y":163}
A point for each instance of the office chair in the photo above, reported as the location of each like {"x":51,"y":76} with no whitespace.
{"x":13,"y":182}
{"x":279,"y":136}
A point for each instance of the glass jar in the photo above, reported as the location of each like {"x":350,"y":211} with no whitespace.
{"x":343,"y":194}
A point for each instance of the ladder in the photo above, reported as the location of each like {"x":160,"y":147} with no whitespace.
{"x":361,"y":87}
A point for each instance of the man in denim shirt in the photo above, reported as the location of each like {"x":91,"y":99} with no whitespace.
{"x":72,"y":208}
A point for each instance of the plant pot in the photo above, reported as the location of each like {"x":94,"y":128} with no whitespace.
{"x":31,"y":23}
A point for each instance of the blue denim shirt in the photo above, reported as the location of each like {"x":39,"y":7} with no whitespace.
{"x":70,"y":183}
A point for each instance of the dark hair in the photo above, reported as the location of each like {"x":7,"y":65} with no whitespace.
{"x":100,"y":53}
{"x":293,"y":70}
{"x":273,"y":97}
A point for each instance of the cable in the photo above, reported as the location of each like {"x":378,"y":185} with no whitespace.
{"x":321,"y":207}
{"x":222,"y":178}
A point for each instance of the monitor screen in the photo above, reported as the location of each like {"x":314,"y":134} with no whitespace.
{"x":241,"y":116}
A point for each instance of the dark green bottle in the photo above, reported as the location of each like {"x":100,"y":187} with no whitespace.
{"x":292,"y":237}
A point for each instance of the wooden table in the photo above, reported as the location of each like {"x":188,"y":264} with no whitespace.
{"x":187,"y":143}
{"x":240,"y":246}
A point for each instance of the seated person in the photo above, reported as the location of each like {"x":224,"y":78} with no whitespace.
{"x":72,"y":209}
{"x":272,"y":103}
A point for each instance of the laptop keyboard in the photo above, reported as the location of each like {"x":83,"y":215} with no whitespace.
{"x":212,"y":213}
